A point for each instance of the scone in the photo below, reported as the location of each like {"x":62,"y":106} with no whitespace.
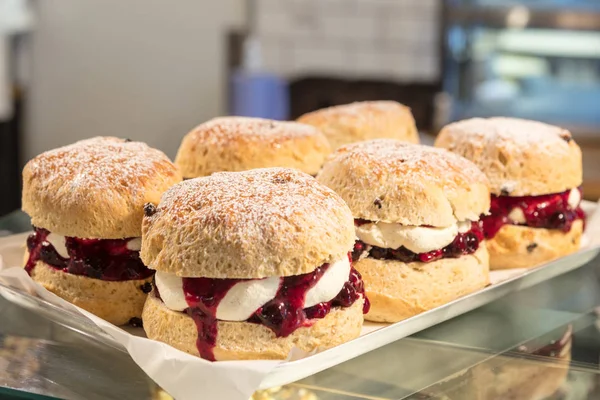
{"x":251,"y":264}
{"x":86,"y":204}
{"x":535,"y":173}
{"x":242,"y":143}
{"x":365,"y":120}
{"x":416,"y":211}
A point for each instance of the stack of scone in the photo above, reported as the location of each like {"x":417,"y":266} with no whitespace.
{"x":535,"y":171}
{"x":416,"y":210}
{"x":250,"y":265}
{"x":86,"y":204}
{"x":241,"y":143}
{"x":355,"y":122}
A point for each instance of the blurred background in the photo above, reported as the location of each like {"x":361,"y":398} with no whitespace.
{"x":153,"y":69}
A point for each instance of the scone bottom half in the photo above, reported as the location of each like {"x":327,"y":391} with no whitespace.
{"x":291,"y":307}
{"x":411,"y":269}
{"x":527,"y":231}
{"x":103,"y":276}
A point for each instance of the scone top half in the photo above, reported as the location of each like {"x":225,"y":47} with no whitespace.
{"x":243,"y":143}
{"x":535,"y":169}
{"x":263,"y":247}
{"x":86,"y":204}
{"x":359,"y":121}
{"x":410,"y":202}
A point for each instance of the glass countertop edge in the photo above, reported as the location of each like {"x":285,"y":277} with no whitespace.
{"x":476,"y":300}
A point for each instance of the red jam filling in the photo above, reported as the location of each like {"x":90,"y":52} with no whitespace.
{"x":463,"y":244}
{"x":105,"y":259}
{"x":283,"y":315}
{"x":549,"y":211}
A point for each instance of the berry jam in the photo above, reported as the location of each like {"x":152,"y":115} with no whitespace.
{"x":549,"y":211}
{"x":463,"y":244}
{"x":203,"y":296}
{"x":283,"y":315}
{"x":105,"y":259}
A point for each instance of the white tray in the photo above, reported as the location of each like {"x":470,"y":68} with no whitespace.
{"x":373,"y":335}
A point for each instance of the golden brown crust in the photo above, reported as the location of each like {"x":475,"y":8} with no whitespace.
{"x":517,"y":246}
{"x":388,"y":180}
{"x":400,"y":290}
{"x":365,"y":120}
{"x":241,"y":143}
{"x":251,"y":224}
{"x":95,"y":188}
{"x":115,"y":302}
{"x":519,"y":157}
{"x":248,"y":341}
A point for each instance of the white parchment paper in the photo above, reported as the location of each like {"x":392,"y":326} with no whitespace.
{"x":180,"y":374}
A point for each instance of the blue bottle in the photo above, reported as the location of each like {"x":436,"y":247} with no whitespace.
{"x":255,"y":92}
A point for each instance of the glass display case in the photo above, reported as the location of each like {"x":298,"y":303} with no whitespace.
{"x":536,"y":59}
{"x":540,"y":342}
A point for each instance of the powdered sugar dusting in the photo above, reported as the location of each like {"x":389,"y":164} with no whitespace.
{"x":105,"y":164}
{"x":512,"y":134}
{"x":416,"y":164}
{"x":223,"y":130}
{"x":256,"y":204}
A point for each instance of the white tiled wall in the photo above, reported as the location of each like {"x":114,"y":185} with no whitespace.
{"x":391,"y":39}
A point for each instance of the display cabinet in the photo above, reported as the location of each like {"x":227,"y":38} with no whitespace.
{"x":540,"y":342}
